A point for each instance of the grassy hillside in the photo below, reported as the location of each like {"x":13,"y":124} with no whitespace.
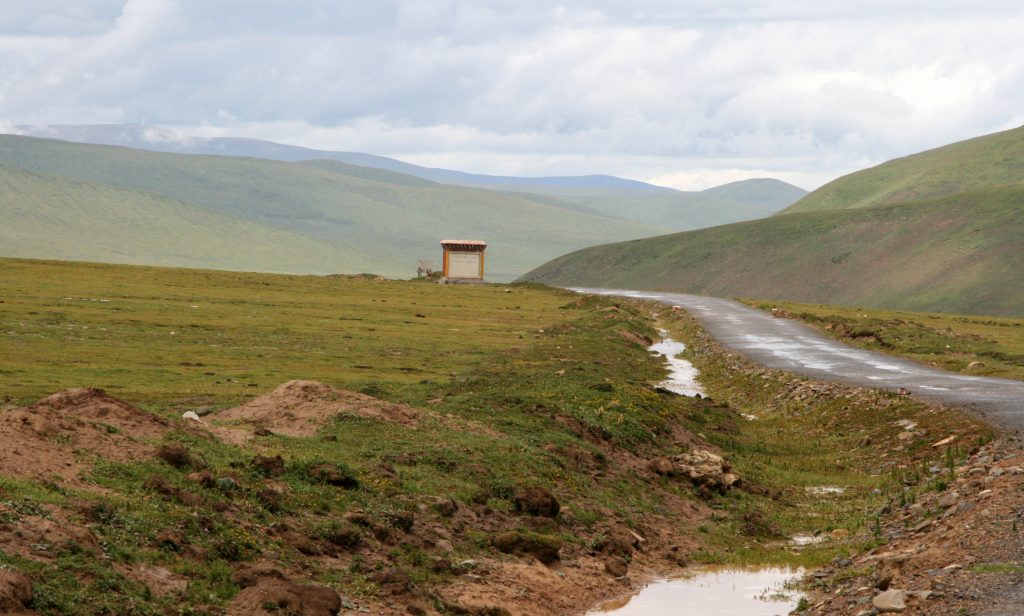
{"x":960,"y":253}
{"x":55,"y":218}
{"x":983,"y":162}
{"x":367,"y":219}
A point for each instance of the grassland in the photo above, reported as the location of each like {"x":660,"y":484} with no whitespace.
{"x":515,"y":384}
{"x":961,"y":343}
{"x":984,"y":162}
{"x":962,"y":253}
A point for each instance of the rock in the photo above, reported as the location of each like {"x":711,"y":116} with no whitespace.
{"x":892,"y":600}
{"x":995,"y":471}
{"x":175,"y":455}
{"x":536,"y":501}
{"x":191,"y":415}
{"x":945,"y":441}
{"x":706,"y":469}
{"x":949,"y":499}
{"x":840,"y":534}
{"x":662,"y":466}
{"x":616,"y":566}
{"x":975,"y":364}
{"x":905,"y":436}
{"x":984,"y":493}
{"x":269,"y":466}
{"x":544,"y":548}
{"x":15,"y":592}
{"x":922,"y":526}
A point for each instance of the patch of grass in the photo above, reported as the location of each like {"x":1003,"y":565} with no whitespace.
{"x":997,"y":568}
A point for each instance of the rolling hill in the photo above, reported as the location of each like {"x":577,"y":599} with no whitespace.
{"x":302,"y":217}
{"x":56,"y":218}
{"x":982,"y":162}
{"x":601,"y":194}
{"x":961,"y":250}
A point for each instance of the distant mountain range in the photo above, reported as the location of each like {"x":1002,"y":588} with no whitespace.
{"x":264,"y":206}
{"x":941,"y":230}
{"x":598,"y":194}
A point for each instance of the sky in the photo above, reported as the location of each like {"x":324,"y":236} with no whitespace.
{"x":688,"y":94}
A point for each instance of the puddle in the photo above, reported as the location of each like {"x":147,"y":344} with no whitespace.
{"x":682,"y":376}
{"x":712,"y":592}
{"x":804,"y":539}
{"x":824,"y":490}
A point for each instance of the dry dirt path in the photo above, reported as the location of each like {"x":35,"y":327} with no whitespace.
{"x":792,"y":346}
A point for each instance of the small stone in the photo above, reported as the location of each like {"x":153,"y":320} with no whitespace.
{"x":949,"y":499}
{"x":984,"y":493}
{"x":922,"y":526}
{"x":892,"y":600}
{"x":191,"y":415}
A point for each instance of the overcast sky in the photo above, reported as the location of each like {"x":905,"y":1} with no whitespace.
{"x":682,"y":93}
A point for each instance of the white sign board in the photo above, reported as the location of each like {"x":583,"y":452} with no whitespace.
{"x":464,"y":264}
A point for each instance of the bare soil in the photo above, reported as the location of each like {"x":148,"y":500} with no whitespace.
{"x":301,"y":408}
{"x":963,"y":546}
{"x":52,"y":439}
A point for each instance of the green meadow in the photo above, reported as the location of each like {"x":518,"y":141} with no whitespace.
{"x":516,"y":385}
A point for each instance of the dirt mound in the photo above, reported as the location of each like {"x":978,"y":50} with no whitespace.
{"x":300,"y":408}
{"x":40,"y":440}
{"x":266,"y":590}
{"x":15,"y":593}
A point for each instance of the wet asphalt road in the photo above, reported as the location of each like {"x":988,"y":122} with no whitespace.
{"x":792,"y":346}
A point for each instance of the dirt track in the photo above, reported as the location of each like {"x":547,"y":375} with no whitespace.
{"x":785,"y":344}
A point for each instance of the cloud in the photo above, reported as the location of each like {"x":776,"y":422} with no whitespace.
{"x":680,"y":92}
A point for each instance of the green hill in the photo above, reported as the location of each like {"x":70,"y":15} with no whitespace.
{"x":303,"y":217}
{"x":56,"y":218}
{"x":960,"y":253}
{"x":983,"y":162}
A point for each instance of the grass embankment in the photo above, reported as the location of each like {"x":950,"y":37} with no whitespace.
{"x":513,"y":386}
{"x":985,"y":346}
{"x":961,"y":253}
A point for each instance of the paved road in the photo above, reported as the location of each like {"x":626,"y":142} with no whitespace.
{"x":789,"y":345}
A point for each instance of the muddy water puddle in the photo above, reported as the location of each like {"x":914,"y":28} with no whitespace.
{"x":682,"y":377}
{"x":712,"y":592}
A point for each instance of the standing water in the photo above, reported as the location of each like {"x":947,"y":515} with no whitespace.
{"x":682,"y":377}
{"x":712,"y":592}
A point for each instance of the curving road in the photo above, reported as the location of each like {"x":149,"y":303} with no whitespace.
{"x":792,"y":346}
